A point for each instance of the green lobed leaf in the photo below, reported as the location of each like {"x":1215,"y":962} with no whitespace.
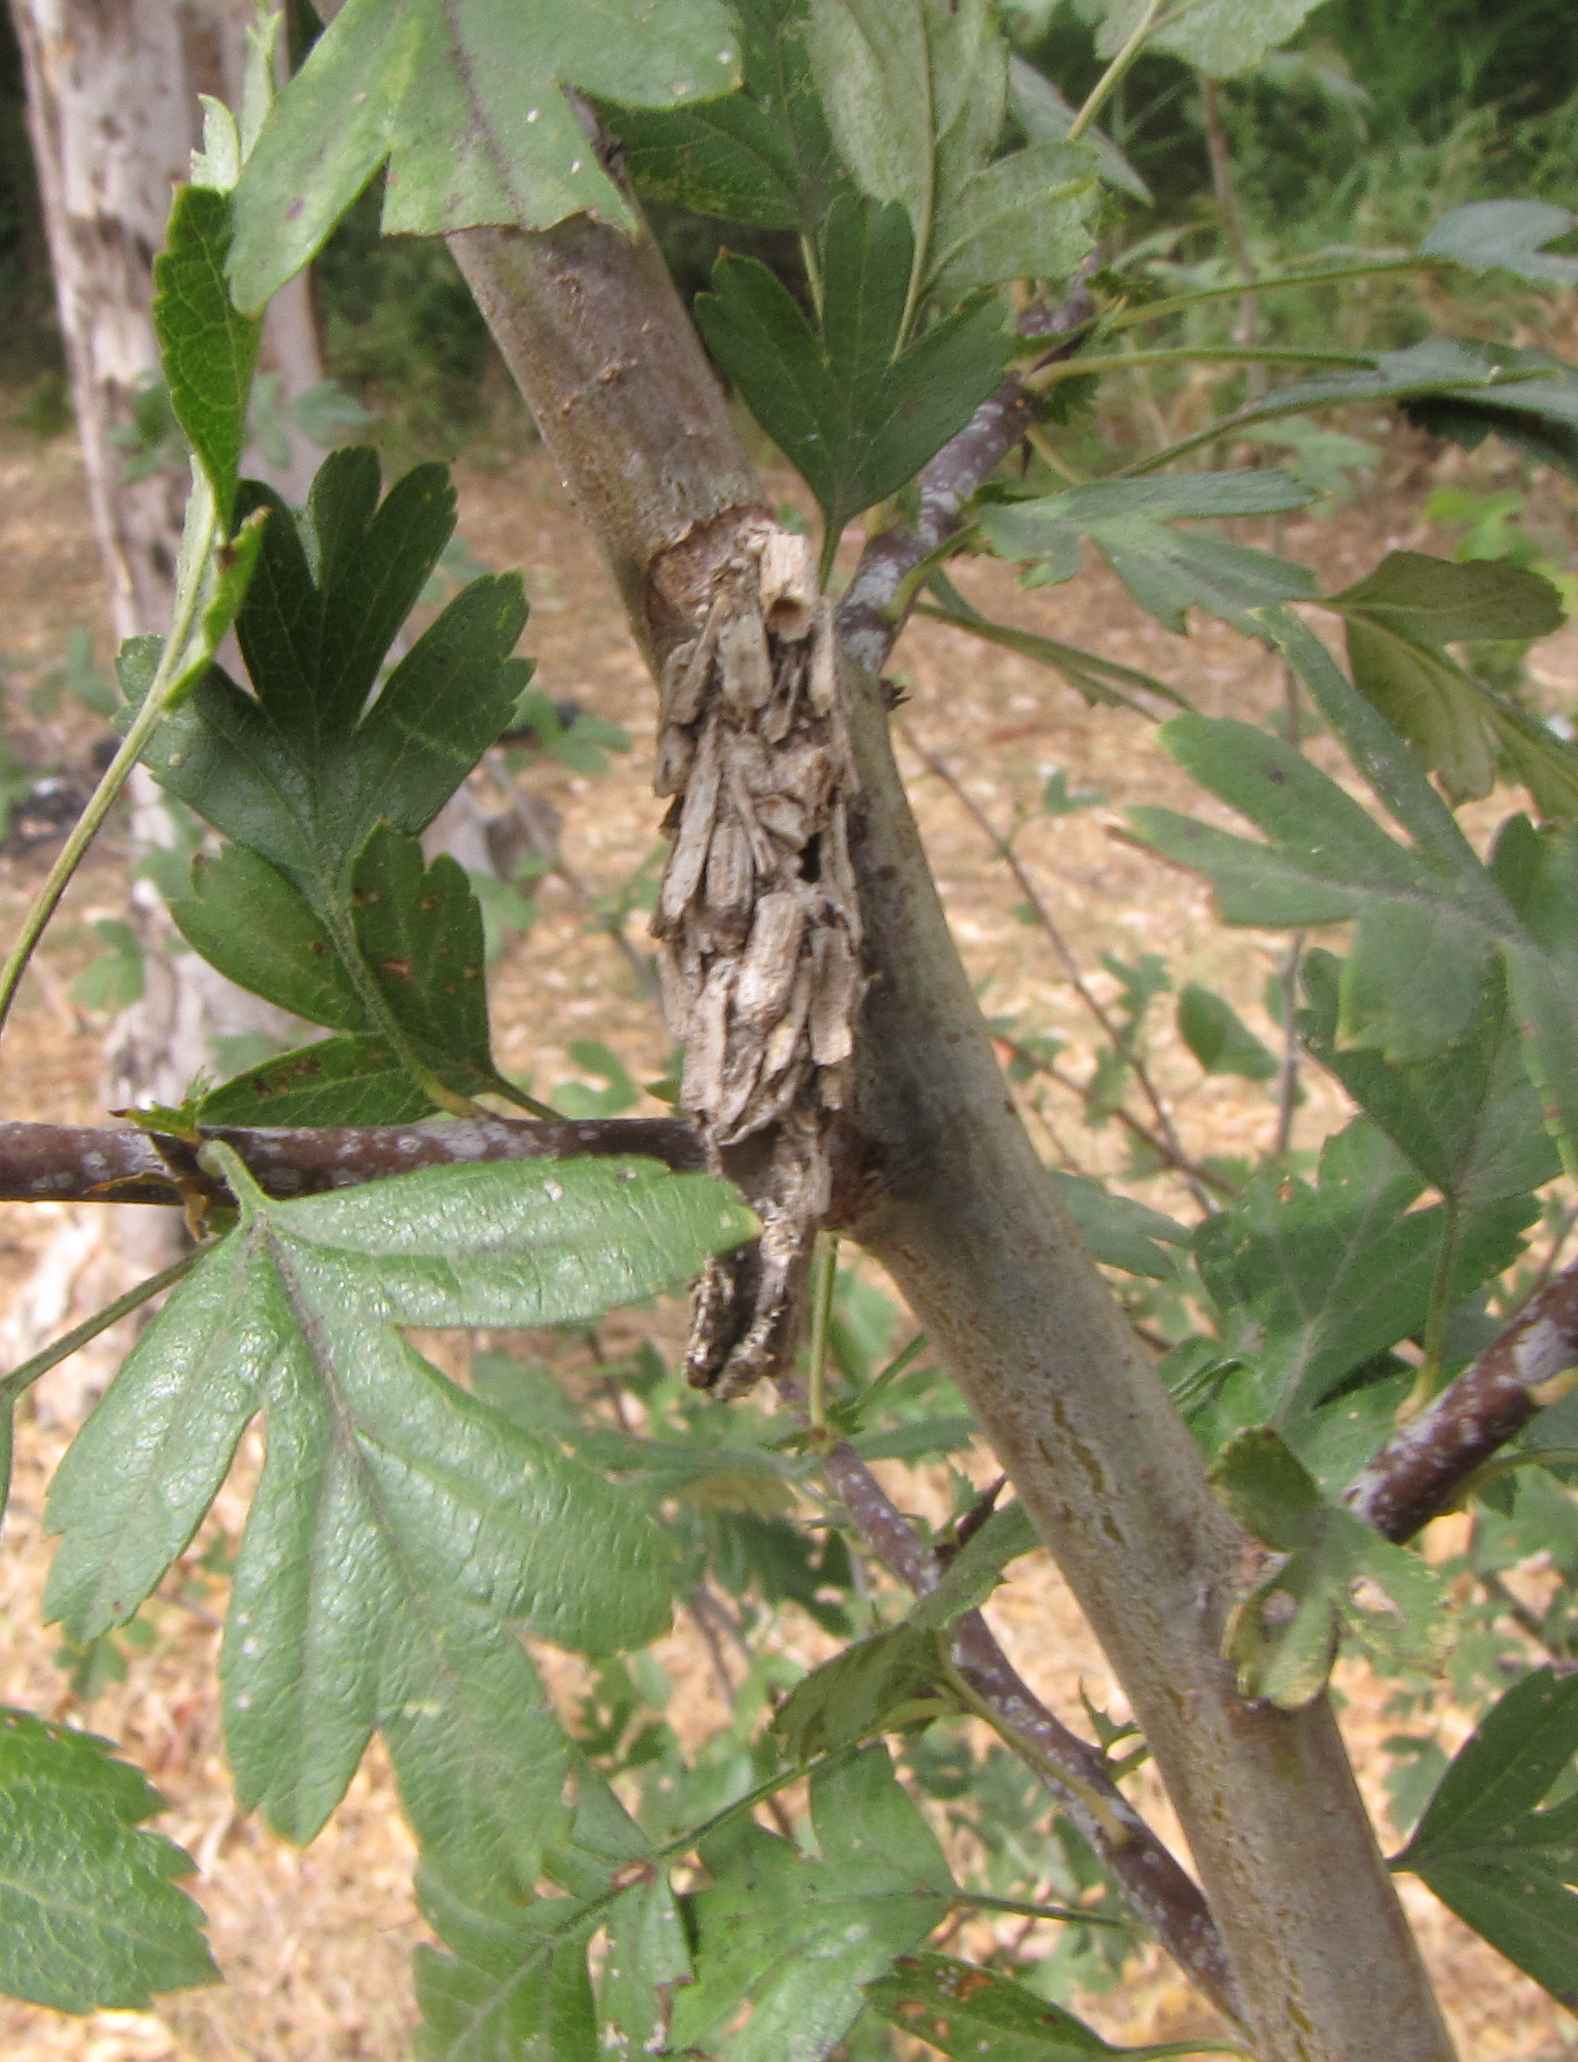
{"x":762,"y":156}
{"x":1467,"y":1118}
{"x":975,"y":1570}
{"x":466,"y":103}
{"x":1489,"y":1852}
{"x":1397,"y":620}
{"x":355,"y":1079}
{"x":799,"y":1938}
{"x":1167,"y":571}
{"x":1219,"y":37}
{"x":208,"y":351}
{"x":1119,"y":1231}
{"x":1506,"y":236}
{"x":969,"y":2012}
{"x":916,"y":97}
{"x":250,"y":922}
{"x":1431,"y":917}
{"x":514,"y":1988}
{"x":853,"y":409}
{"x":1046,"y":117}
{"x":90,"y":1918}
{"x":886,"y":1683}
{"x":401,"y":1525}
{"x":1313,"y":1281}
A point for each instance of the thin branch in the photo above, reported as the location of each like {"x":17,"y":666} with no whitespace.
{"x":78,"y":1163}
{"x":880,"y":594}
{"x":1424,"y":1464}
{"x":1158,"y":1889}
{"x":1047,"y":923}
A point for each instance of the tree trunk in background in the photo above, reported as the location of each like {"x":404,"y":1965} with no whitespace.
{"x":113,"y":115}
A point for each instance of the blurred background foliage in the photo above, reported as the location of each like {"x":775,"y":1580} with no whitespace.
{"x":1374,"y":123}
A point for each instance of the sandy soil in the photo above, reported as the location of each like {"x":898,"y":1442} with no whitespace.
{"x":315,"y":1945}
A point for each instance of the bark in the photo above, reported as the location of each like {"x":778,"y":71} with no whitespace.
{"x":943,"y":1186}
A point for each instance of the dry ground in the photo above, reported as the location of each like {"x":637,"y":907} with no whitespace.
{"x":315,"y":1945}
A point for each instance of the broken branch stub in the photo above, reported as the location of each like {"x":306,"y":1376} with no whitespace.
{"x":758,"y":928}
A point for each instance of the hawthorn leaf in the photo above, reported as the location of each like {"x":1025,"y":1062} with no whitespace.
{"x":1431,"y":918}
{"x":1031,"y":214}
{"x":648,"y":1961}
{"x":1314,"y":1280}
{"x":853,"y":408}
{"x":975,"y":1570}
{"x":1166,"y":570}
{"x":1119,"y":1231}
{"x":514,"y":1986}
{"x":762,"y":156}
{"x":208,"y":351}
{"x":1507,"y":1867}
{"x":1218,"y":37}
{"x":967,"y":2012}
{"x":1046,"y":117}
{"x":354,"y":1079}
{"x":401,"y":1524}
{"x":1219,"y":1038}
{"x":250,"y":922}
{"x":468,"y":104}
{"x":1467,"y":1118}
{"x":798,"y":1938}
{"x":327,"y":909}
{"x":1338,"y":1575}
{"x":1506,"y":236}
{"x":90,"y":1918}
{"x":886,"y":1683}
{"x":1397,"y":620}
{"x":916,"y":96}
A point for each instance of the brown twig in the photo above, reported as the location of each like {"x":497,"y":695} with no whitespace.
{"x":78,"y":1163}
{"x":1159,"y":1891}
{"x":1423,"y":1465}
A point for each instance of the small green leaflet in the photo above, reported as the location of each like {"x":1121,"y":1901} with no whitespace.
{"x":1489,"y":1852}
{"x":1219,"y":1038}
{"x":798,"y":1938}
{"x":208,"y":351}
{"x":1399,"y":617}
{"x":916,"y":95}
{"x":1430,"y":917}
{"x":466,"y":102}
{"x":1313,"y":1281}
{"x":1506,"y":236}
{"x":972,"y":2013}
{"x":762,"y":156}
{"x":1337,"y":1574}
{"x":854,"y":408}
{"x":90,"y":1918}
{"x":885,"y":1684}
{"x":1168,"y":571}
{"x":401,"y":1525}
{"x":1120,"y":1231}
{"x":1218,"y":37}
